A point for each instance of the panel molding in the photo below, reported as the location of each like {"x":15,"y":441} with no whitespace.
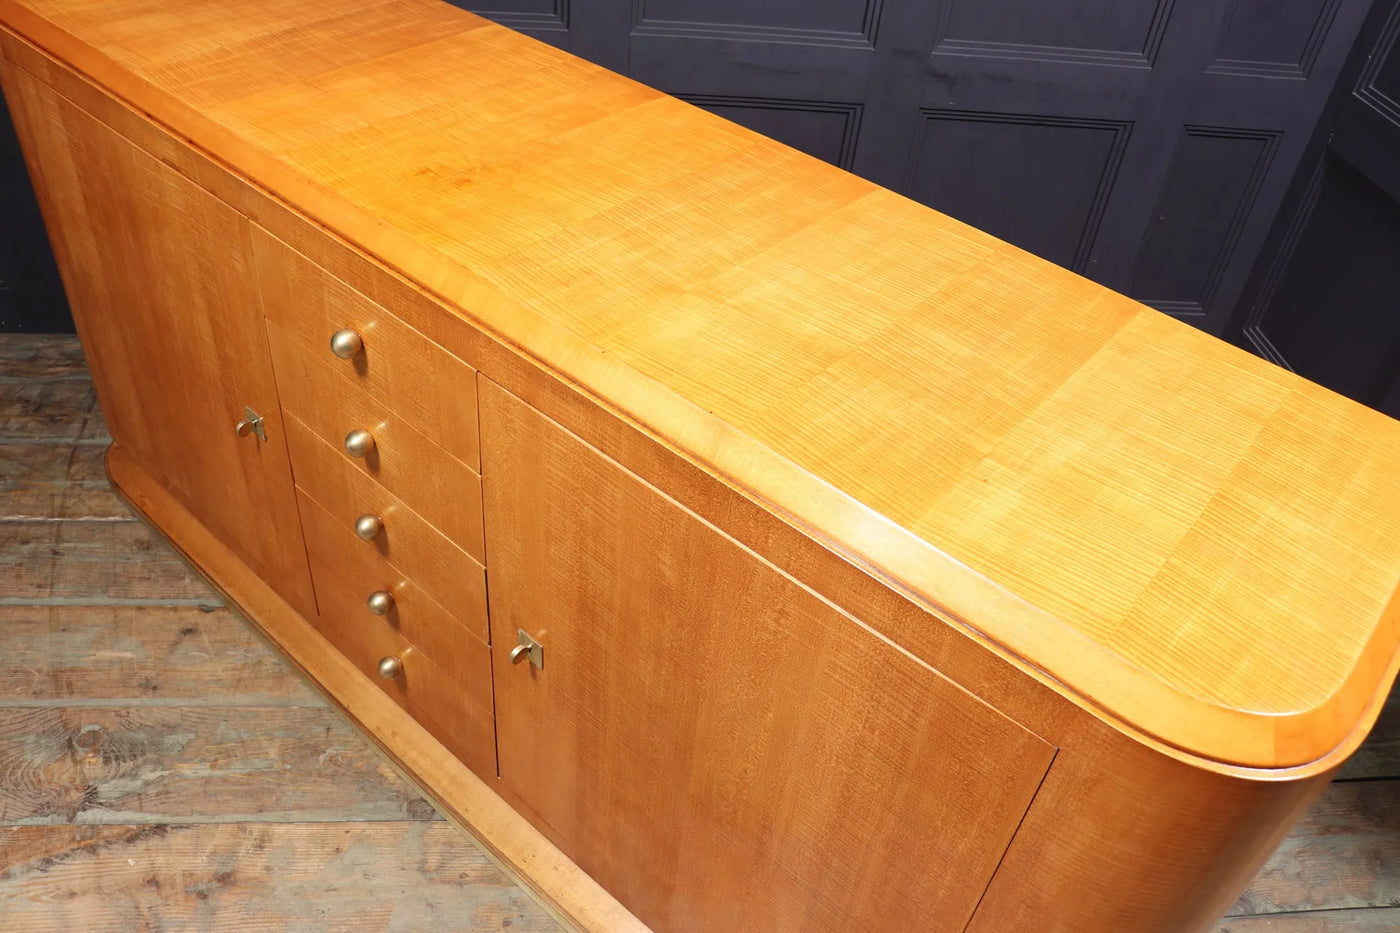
{"x":849,"y":112}
{"x":976,"y":48}
{"x":1366,"y":90}
{"x":1121,"y":130}
{"x":556,"y":20}
{"x":1253,"y":330}
{"x":864,"y":38}
{"x":1297,"y":71}
{"x":1198,"y":307}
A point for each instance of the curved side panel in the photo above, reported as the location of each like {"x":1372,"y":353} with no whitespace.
{"x":1122,"y":837}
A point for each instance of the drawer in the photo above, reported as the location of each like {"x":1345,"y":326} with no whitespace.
{"x":430,"y":481}
{"x":455,"y":707}
{"x":415,"y":614}
{"x":404,"y":370}
{"x":450,"y":575}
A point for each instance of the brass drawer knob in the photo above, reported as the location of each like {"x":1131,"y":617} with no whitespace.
{"x":368,"y":527}
{"x":519,"y":653}
{"x":390,"y":667}
{"x":359,"y":443}
{"x":380,"y":602}
{"x":345,"y":343}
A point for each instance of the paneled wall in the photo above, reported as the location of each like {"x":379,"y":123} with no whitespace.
{"x":1144,"y":143}
{"x":1322,"y":300}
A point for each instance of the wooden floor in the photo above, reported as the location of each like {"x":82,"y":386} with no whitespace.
{"x":162,"y":769}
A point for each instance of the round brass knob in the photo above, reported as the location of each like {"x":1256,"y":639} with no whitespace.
{"x":359,"y":443}
{"x":380,"y":602}
{"x":368,"y":527}
{"x":390,"y":667}
{"x":519,"y":653}
{"x":345,"y":343}
{"x":245,"y":427}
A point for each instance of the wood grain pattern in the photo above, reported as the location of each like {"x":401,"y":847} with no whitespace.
{"x":1122,"y":474}
{"x":676,"y":721}
{"x":1345,"y":853}
{"x":1383,"y":920}
{"x":45,"y":482}
{"x":449,"y":574}
{"x":359,"y":572}
{"x":257,"y":877}
{"x":419,"y":380}
{"x":119,"y":739}
{"x":447,"y":690}
{"x":405,"y":461}
{"x":42,"y":356}
{"x":176,"y":377}
{"x":107,"y":562}
{"x":466,"y":797}
{"x":118,"y":656}
{"x":1094,"y":435}
{"x":51,"y":411}
{"x":145,"y":765}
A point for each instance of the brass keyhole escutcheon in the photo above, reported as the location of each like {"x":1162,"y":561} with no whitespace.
{"x":252,"y":423}
{"x":527,"y":647}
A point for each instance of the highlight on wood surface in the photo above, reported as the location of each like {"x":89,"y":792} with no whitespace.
{"x":804,"y":514}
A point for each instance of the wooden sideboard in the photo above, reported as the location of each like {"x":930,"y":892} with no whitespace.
{"x":726,"y":541}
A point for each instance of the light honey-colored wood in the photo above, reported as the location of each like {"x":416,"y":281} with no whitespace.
{"x":400,"y":367}
{"x":989,"y":470}
{"x":468,"y":798}
{"x":415,"y":615}
{"x":407,"y":542}
{"x":404,"y":460}
{"x":816,"y":756}
{"x":1128,"y":479}
{"x":454,"y":707}
{"x":192,"y":353}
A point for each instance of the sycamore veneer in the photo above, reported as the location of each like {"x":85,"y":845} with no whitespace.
{"x":1162,"y":565}
{"x":1200,"y":545}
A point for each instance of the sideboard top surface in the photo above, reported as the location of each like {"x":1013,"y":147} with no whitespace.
{"x":1178,"y":535}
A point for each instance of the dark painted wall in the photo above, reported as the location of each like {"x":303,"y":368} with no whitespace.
{"x":31,"y":295}
{"x":1322,"y":300}
{"x":1145,"y":143}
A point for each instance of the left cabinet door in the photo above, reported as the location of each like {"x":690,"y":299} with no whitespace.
{"x":159,"y":277}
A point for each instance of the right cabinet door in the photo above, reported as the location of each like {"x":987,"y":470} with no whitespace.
{"x":718,"y":746}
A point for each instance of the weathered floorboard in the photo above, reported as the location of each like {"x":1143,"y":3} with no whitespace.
{"x":1377,"y":920}
{"x":401,"y":877}
{"x":51,"y":411}
{"x":103,"y":562}
{"x":42,"y":356}
{"x":47,"y":482}
{"x":165,"y":765}
{"x":1345,"y":853}
{"x":125,"y":656}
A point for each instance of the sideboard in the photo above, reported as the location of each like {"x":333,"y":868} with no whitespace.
{"x":728,"y":542}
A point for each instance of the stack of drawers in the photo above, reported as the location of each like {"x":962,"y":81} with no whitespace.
{"x":381,"y":426}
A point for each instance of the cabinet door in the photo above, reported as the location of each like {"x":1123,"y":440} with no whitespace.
{"x":717,"y":745}
{"x":157,"y":272}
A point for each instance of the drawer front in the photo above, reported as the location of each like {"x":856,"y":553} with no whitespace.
{"x":449,"y":574}
{"x":436,"y":485}
{"x":395,"y":364}
{"x":414,"y":614}
{"x":454,"y":706}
